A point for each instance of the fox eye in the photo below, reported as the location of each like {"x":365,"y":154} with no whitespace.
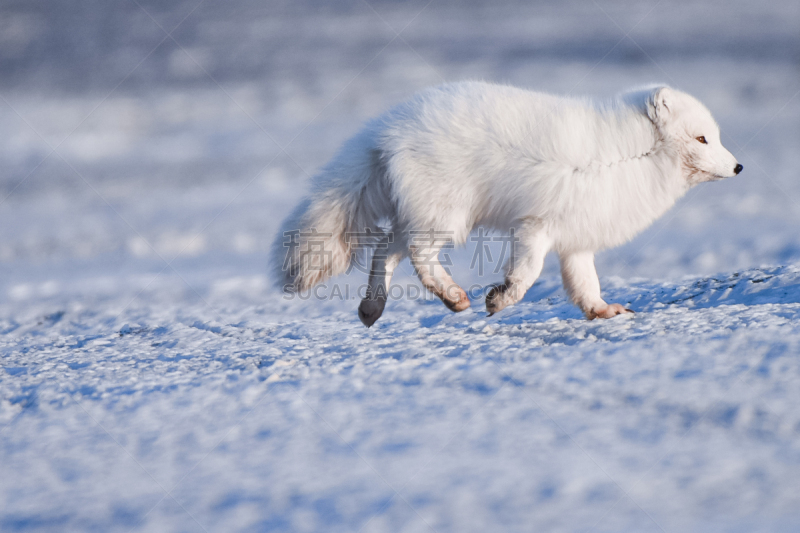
{"x":702,"y":139}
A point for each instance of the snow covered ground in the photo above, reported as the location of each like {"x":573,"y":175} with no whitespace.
{"x":152,"y":380}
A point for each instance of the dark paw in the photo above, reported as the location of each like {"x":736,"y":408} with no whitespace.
{"x":494,"y":300}
{"x":370,"y":311}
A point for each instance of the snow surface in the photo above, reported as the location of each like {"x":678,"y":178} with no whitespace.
{"x":152,"y":380}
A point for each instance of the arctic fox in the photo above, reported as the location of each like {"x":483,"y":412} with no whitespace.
{"x":566,"y":174}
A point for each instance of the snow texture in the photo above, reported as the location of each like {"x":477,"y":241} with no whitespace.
{"x":151,"y":379}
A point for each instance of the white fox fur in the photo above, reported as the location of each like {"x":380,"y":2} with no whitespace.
{"x":570,"y":175}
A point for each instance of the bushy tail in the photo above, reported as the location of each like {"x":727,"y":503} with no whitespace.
{"x":322,"y":235}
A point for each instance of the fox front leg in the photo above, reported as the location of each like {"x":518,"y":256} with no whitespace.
{"x":583,"y":287}
{"x":528,"y":249}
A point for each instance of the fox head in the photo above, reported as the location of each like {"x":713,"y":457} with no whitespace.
{"x":683,"y":122}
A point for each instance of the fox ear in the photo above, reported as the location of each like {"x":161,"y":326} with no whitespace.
{"x":658,"y":107}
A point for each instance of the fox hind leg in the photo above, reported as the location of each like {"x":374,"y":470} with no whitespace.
{"x":434,"y":277}
{"x":386,"y":257}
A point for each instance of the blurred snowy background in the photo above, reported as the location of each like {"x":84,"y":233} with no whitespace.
{"x":149,"y":151}
{"x":118,"y":137}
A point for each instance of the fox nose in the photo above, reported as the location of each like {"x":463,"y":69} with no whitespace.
{"x":738,"y":168}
